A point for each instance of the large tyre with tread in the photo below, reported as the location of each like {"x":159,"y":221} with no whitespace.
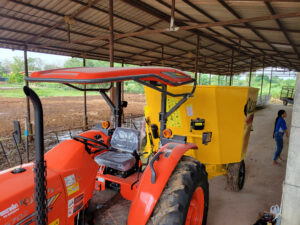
{"x":236,"y":176}
{"x":184,"y":199}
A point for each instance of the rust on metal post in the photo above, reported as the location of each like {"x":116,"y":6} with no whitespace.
{"x":250,"y":74}
{"x":29,"y":124}
{"x":262,"y":78}
{"x":85,"y":119}
{"x":197,"y":57}
{"x":271,"y":80}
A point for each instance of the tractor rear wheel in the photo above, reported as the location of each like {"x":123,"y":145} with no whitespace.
{"x":236,"y":175}
{"x":184,"y":200}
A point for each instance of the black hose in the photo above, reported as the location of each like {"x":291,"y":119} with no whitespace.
{"x":40,"y":166}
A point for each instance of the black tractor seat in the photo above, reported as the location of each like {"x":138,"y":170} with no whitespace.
{"x":125,"y":144}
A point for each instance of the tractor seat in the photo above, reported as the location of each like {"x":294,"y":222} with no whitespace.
{"x":125,"y":143}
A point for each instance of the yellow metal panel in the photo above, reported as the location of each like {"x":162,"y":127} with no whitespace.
{"x":223,"y":109}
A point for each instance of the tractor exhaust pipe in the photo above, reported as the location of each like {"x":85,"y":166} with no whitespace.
{"x":40,"y":165}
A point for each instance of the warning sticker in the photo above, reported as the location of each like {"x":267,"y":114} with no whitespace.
{"x":73,"y":188}
{"x":75,"y":204}
{"x":174,"y":120}
{"x":189,"y":110}
{"x":55,"y":222}
{"x":70,"y":180}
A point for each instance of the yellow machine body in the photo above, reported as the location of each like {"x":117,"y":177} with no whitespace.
{"x":228,"y":113}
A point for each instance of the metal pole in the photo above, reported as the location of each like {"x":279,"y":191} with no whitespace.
{"x":172,"y":21}
{"x":226,"y":81}
{"x":197,"y":56}
{"x":162,"y":56}
{"x":29,"y":124}
{"x":219,"y":80}
{"x":250,"y":75}
{"x":210,"y":79}
{"x":231,"y":68}
{"x":271,"y":80}
{"x":85,"y":119}
{"x":262,"y":78}
{"x":122,"y":93}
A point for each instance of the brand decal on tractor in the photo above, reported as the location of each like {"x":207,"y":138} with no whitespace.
{"x":10,"y":210}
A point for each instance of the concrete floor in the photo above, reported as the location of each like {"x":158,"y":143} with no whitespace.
{"x":263,"y":185}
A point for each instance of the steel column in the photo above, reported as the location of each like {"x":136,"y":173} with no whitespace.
{"x":29,"y":124}
{"x":210,"y":79}
{"x":231,"y":68}
{"x":85,"y":119}
{"x":271,"y":80}
{"x":250,"y":74}
{"x":262,"y":78}
{"x":197,"y":56}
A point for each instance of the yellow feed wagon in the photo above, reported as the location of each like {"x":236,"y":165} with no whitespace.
{"x":218,"y":119}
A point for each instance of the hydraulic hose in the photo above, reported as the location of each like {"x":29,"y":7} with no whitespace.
{"x":40,"y":166}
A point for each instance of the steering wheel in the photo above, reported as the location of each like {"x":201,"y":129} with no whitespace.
{"x":86,"y":140}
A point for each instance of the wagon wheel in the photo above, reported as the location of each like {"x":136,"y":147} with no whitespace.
{"x":236,"y":175}
{"x":184,"y":200}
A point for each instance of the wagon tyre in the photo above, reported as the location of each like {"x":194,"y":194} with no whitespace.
{"x":185,"y":197}
{"x":236,"y":176}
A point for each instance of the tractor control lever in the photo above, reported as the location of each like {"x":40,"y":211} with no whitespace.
{"x":153,"y":174}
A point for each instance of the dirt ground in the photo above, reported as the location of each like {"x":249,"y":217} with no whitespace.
{"x":263,"y":185}
{"x":63,"y":112}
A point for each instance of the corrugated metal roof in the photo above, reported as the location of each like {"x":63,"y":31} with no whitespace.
{"x":42,"y":26}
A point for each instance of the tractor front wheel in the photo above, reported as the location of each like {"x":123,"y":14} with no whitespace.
{"x":184,"y":200}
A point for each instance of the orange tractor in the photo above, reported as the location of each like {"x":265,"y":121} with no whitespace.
{"x":169,"y":189}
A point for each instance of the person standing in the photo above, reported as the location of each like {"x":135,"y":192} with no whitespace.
{"x":280,"y":129}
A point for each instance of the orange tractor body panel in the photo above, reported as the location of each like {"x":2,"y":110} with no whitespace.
{"x":71,"y":176}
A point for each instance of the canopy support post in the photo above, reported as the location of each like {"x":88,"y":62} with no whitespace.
{"x":197,"y":56}
{"x":262,"y":78}
{"x":231,"y":68}
{"x":210,"y":79}
{"x":271,"y":80}
{"x":29,"y":124}
{"x":85,"y":119}
{"x":250,"y":74}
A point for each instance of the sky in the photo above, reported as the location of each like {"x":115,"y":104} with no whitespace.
{"x":7,"y":54}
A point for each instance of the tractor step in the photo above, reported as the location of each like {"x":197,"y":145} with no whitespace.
{"x":109,"y":208}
